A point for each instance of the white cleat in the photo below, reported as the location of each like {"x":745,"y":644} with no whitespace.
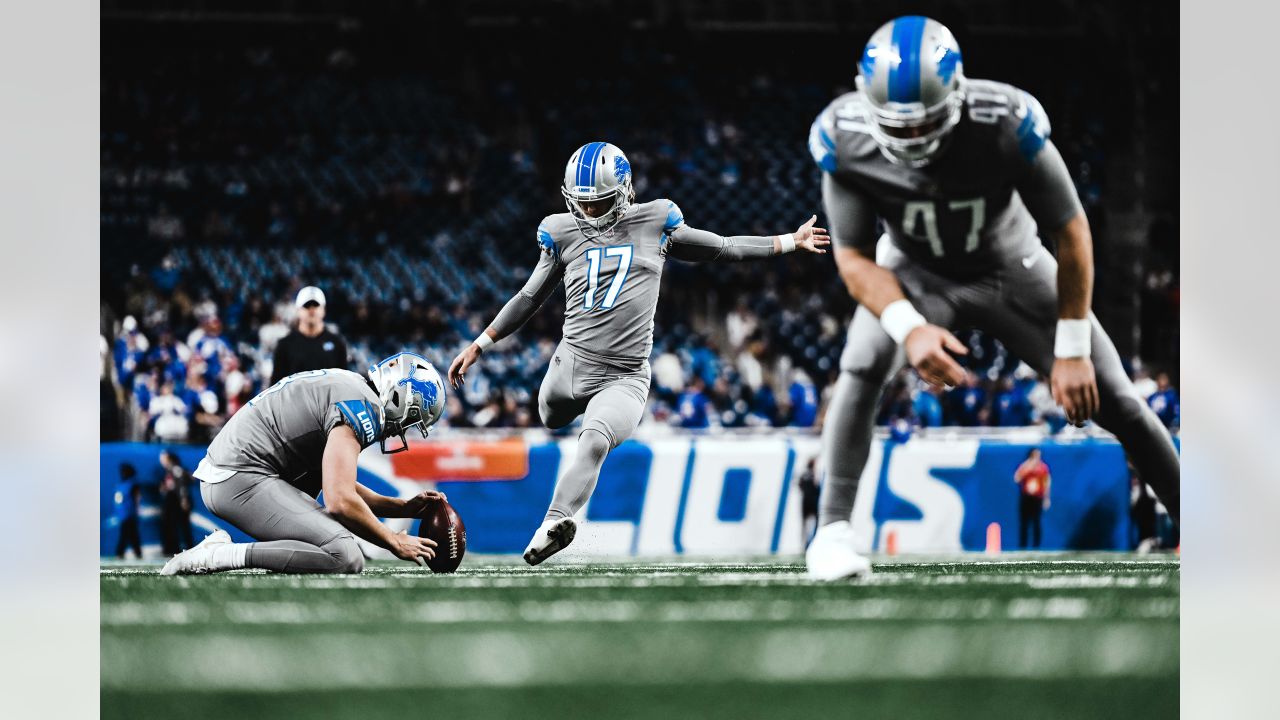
{"x":831,"y":555}
{"x":552,"y":537}
{"x":199,"y":559}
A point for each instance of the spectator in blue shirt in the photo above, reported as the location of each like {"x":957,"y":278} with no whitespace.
{"x":1013,"y":403}
{"x":1165,"y":401}
{"x":968,"y":402}
{"x":693,"y":405}
{"x":804,"y":400}
{"x":168,"y":354}
{"x":129,"y":351}
{"x":764,"y":407}
{"x":705,"y":364}
{"x":927,"y":408}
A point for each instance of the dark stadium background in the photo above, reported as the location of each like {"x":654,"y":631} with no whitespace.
{"x":400,"y":156}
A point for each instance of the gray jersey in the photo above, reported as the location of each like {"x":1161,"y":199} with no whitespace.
{"x":283,"y":431}
{"x":975,"y":205}
{"x":611,"y":282}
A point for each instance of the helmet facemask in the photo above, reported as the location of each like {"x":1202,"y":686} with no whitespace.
{"x":622,"y":197}
{"x":911,"y":135}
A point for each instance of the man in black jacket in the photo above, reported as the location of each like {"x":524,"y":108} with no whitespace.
{"x":310,"y":345}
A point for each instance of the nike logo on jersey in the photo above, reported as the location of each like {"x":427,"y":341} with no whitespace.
{"x":1030,"y":260}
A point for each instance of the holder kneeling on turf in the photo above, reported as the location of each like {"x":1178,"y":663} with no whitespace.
{"x":303,"y":435}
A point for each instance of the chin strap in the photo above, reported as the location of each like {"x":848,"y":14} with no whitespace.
{"x":393,"y":430}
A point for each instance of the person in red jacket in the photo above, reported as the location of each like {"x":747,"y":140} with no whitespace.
{"x":1033,"y":481}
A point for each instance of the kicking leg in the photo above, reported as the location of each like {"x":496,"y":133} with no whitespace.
{"x":612,"y":415}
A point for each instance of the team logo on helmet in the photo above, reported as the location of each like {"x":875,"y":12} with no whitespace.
{"x":621,"y":168}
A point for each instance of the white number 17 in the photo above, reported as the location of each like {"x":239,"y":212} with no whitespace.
{"x":595,"y":257}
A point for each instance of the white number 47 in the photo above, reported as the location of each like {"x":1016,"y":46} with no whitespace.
{"x":918,"y":212}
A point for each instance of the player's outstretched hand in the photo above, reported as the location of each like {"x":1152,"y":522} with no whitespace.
{"x":927,"y":347}
{"x":418,"y":504}
{"x":413,"y":548}
{"x":1075,"y":388}
{"x":458,"y":368}
{"x":813,"y":239}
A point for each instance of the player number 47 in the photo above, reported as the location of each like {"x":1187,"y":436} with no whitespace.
{"x":924,"y":212}
{"x":595,"y":258}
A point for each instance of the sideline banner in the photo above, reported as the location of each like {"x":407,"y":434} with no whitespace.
{"x":721,"y":495}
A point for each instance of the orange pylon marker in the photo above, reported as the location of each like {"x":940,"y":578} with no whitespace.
{"x":891,"y":542}
{"x":993,"y":539}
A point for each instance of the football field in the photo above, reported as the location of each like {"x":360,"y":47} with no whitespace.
{"x":1035,"y":636}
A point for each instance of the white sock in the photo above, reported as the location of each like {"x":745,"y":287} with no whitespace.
{"x":229,"y":556}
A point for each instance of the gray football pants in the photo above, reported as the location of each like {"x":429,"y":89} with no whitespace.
{"x":1018,"y":305}
{"x":612,"y":400}
{"x":295,"y":534}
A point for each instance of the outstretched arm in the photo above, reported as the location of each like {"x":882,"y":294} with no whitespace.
{"x":546,"y":276}
{"x":695,"y":245}
{"x":853,"y":223}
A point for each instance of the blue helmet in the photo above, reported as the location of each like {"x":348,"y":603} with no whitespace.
{"x":411,"y":393}
{"x":912,"y":79}
{"x":597,"y":171}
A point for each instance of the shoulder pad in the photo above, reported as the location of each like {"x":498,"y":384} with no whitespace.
{"x":846,"y":114}
{"x":1033,"y":127}
{"x":545,"y":241}
{"x":674,"y":217}
{"x":1020,"y":119}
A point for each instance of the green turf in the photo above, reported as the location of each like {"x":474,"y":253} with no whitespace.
{"x":1031,"y":636}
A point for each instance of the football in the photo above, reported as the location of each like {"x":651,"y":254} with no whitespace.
{"x":443,"y":525}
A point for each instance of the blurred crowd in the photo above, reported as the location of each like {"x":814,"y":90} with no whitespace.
{"x":180,"y":379}
{"x":240,"y":170}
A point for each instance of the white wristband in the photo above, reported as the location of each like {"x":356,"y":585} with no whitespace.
{"x":788,"y":242}
{"x":1073,"y":339}
{"x":484,"y":341}
{"x":899,"y":318}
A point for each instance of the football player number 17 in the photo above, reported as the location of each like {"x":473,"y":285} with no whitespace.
{"x":924,"y":212}
{"x":595,"y":258}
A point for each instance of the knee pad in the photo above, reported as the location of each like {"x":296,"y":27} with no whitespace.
{"x":346,"y":555}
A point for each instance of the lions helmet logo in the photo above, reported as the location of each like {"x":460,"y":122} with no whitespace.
{"x":621,"y":168}
{"x":424,"y":388}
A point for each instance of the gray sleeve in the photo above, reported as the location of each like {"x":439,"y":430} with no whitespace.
{"x":850,"y":215}
{"x":1047,"y":190}
{"x":693,"y":245}
{"x":546,"y":276}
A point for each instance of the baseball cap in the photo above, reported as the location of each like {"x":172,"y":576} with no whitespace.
{"x":310,"y":293}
